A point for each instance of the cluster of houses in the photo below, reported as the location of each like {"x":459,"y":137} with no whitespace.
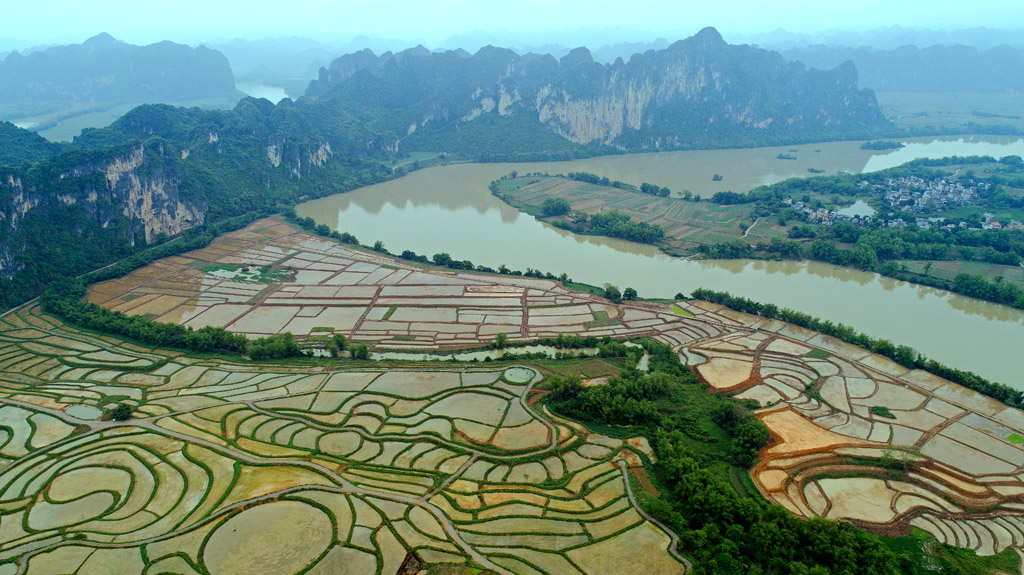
{"x":826,"y":217}
{"x":989,"y":223}
{"x":911,"y":193}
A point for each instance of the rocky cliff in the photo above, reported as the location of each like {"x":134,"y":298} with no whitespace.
{"x":132,"y":197}
{"x":698,"y":92}
{"x":159,"y":171}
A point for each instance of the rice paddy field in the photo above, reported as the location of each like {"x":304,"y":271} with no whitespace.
{"x":233,"y":467}
{"x":685,"y":223}
{"x":229,"y":467}
{"x":862,"y":439}
{"x":270,"y":278}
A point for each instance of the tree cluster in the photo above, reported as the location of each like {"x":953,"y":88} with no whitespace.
{"x":63,"y":300}
{"x":589,"y":178}
{"x":277,"y":346}
{"x":613,"y":224}
{"x":654,"y":190}
{"x":555,"y":207}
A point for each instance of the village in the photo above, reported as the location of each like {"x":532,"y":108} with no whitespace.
{"x":910,"y":194}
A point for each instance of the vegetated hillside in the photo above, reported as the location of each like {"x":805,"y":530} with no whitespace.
{"x":19,"y":146}
{"x":160,"y":171}
{"x":697,"y":93}
{"x":103,"y":69}
{"x":933,"y":69}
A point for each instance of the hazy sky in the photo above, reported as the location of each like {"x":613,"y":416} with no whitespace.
{"x":30,"y":22}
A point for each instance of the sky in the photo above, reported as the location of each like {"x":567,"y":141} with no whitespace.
{"x":433,"y":21}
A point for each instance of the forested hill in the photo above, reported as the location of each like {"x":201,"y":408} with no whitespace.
{"x":103,"y":69}
{"x":931,"y":69}
{"x":19,"y":146}
{"x":160,"y":171}
{"x":697,"y":93}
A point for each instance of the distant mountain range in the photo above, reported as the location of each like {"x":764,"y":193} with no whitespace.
{"x":699,"y":92}
{"x":103,"y":69}
{"x":890,"y":38}
{"x":934,"y":69}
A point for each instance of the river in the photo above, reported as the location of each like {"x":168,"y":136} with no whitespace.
{"x":449,"y":209}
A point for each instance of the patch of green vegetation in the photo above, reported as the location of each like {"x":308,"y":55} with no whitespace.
{"x":388,"y":314}
{"x":818,"y":353}
{"x":922,"y":553}
{"x":680,"y":311}
{"x":882,"y":411}
{"x":599,"y":315}
{"x":108,"y":399}
{"x":1015,"y":439}
{"x":263,"y":274}
{"x":131,"y":296}
{"x":405,"y":338}
{"x":210,"y":268}
{"x":270,"y":274}
{"x":119,"y":412}
{"x":947,"y":270}
{"x":882,"y":145}
{"x":323,"y":328}
{"x":814,"y":392}
{"x":602,"y":323}
{"x":586,"y":288}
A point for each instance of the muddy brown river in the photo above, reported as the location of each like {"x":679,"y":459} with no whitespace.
{"x":449,"y":209}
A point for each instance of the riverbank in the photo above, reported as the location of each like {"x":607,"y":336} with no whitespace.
{"x":690,"y":227}
{"x":449,"y":210}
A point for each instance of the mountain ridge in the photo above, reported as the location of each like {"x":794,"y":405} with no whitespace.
{"x":103,"y":69}
{"x":684,"y":96}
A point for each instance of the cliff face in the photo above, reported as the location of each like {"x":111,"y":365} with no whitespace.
{"x":703,"y":83}
{"x":159,"y":171}
{"x":682,"y":96}
{"x":132,"y":197}
{"x":150,"y":198}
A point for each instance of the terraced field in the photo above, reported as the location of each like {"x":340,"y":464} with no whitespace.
{"x":332,"y":288}
{"x":862,"y":439}
{"x":238,"y":467}
{"x":231,"y":468}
